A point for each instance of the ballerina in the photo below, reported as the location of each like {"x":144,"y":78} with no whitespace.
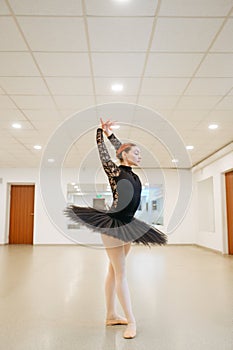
{"x":118,"y":226}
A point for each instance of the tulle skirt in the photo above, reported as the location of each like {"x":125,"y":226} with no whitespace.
{"x":107,"y":222}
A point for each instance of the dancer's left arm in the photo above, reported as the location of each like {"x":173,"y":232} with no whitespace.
{"x":107,"y":129}
{"x":111,"y":169}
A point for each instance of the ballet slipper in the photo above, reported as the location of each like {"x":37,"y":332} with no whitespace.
{"x":130,"y":331}
{"x":116,"y":321}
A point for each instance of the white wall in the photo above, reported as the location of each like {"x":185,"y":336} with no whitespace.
{"x":45,"y":232}
{"x":217,"y":239}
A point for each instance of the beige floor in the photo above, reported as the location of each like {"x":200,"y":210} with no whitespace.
{"x":52,"y":298}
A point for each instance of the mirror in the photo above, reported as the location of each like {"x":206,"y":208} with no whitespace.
{"x":99,"y":196}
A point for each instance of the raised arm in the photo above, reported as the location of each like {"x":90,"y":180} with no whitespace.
{"x":114,"y":141}
{"x":107,"y":129}
{"x":109,"y":166}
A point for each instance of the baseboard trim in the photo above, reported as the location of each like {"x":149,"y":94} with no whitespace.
{"x":211,"y":250}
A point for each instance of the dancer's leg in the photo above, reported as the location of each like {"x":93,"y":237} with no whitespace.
{"x":110,"y":293}
{"x":127,"y":247}
{"x":112,"y":318}
{"x":117,"y":253}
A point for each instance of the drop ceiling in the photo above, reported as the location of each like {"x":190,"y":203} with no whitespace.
{"x":58,"y":58}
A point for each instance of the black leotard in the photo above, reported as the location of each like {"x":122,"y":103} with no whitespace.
{"x":119,"y":221}
{"x":125,"y":184}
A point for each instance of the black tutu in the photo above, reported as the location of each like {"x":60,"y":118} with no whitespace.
{"x":106,"y":222}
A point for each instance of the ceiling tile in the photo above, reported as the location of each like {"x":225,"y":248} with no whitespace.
{"x":200,"y":8}
{"x":24,"y":85}
{"x":130,"y":86}
{"x":74,"y":102}
{"x":226,"y":103}
{"x":7,"y":125}
{"x":159,"y":150}
{"x":146,"y":119}
{"x":224,"y":41}
{"x":54,"y":34}
{"x":64,"y":64}
{"x":200,"y":135}
{"x":17,"y":64}
{"x":7,"y":139}
{"x":160,"y":102}
{"x":42,"y":115}
{"x":142,"y":136}
{"x":216,"y":65}
{"x":118,"y":8}
{"x":209,"y":86}
{"x":188,"y":115}
{"x":220,"y":116}
{"x":224,"y":129}
{"x":198,"y":102}
{"x":13,"y":41}
{"x":118,"y":64}
{"x":3,"y":8}
{"x":6,"y":103}
{"x":11,"y":114}
{"x":163,"y":86}
{"x":49,"y":126}
{"x":185,"y":124}
{"x":67,"y":113}
{"x":70,"y":86}
{"x":33,"y":102}
{"x":165,"y":113}
{"x":121,"y":111}
{"x":26,"y":162}
{"x":117,"y":98}
{"x":26,"y":135}
{"x":172,"y":65}
{"x":6,"y":159}
{"x":84,"y":117}
{"x":179,"y":43}
{"x":47,"y":7}
{"x":123,"y":34}
{"x":184,"y":34}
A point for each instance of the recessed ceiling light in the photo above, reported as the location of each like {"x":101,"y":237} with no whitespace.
{"x":175,"y":160}
{"x":51,"y":160}
{"x":213,"y":126}
{"x":190,"y":147}
{"x":16,"y":126}
{"x":37,"y":147}
{"x":117,"y":87}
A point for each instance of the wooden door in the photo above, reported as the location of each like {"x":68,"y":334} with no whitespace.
{"x":21,"y":214}
{"x":229,"y":198}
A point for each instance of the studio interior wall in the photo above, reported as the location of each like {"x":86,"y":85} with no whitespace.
{"x":45,"y":232}
{"x":216,"y":238}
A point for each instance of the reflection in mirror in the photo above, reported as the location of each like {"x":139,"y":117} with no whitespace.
{"x":99,"y":196}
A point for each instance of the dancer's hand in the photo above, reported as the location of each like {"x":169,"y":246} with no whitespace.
{"x":107,"y":126}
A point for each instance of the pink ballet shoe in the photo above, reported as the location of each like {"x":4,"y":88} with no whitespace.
{"x":115,"y":322}
{"x":130,"y":331}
